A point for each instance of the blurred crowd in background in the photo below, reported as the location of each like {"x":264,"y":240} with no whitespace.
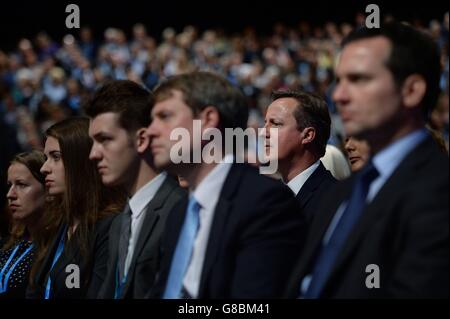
{"x":46,"y":80}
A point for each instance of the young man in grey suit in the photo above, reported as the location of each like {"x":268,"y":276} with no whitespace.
{"x":120,"y":114}
{"x":384,"y":232}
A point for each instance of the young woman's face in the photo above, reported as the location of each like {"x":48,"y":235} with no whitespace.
{"x":26,"y":195}
{"x":53,"y":168}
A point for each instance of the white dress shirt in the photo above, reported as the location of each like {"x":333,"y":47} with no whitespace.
{"x":298,"y":181}
{"x":207,"y":195}
{"x":138,"y":205}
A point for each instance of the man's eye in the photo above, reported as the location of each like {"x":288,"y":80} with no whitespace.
{"x":359,"y":78}
{"x":164,"y":115}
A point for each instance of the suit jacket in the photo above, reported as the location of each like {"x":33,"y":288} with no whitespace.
{"x":403,"y":230}
{"x":146,"y":257}
{"x":311,"y":193}
{"x":92,"y":269}
{"x":256,"y":231}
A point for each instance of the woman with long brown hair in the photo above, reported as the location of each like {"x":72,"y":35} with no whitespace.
{"x":72,"y":254}
{"x":26,"y":197}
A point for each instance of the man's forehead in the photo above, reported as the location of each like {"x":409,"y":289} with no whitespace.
{"x":283,"y":106}
{"x":104,"y":122}
{"x":363,"y":53}
{"x":170,"y":102}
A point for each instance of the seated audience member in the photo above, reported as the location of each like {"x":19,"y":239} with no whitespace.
{"x":26,"y":198}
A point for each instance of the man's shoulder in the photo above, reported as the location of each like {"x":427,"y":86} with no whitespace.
{"x":252,"y":174}
{"x":254,"y":186}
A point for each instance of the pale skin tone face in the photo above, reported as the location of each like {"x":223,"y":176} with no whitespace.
{"x":53,"y":168}
{"x":366,"y":95}
{"x":358,"y":152}
{"x":113,"y":149}
{"x":167,"y":115}
{"x":26,"y":196}
{"x":292,"y":154}
{"x":372,"y":106}
{"x":173,"y":113}
{"x":280,"y":115}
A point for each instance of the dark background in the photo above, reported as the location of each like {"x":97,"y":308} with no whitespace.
{"x":20,"y":18}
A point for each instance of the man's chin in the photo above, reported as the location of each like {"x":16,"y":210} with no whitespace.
{"x":109,"y":181}
{"x":168,"y":165}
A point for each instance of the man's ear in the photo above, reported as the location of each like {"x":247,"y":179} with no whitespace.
{"x":413,"y":90}
{"x":210,"y":117}
{"x":308,"y":134}
{"x":142,"y":140}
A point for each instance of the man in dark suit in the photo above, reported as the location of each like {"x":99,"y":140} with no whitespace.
{"x":237,"y":234}
{"x":120,"y":114}
{"x":303,"y":124}
{"x":384,"y":232}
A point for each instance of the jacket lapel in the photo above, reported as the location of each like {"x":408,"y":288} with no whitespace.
{"x":320,"y":226}
{"x":68,"y":256}
{"x":43,"y":273}
{"x":151,"y":218}
{"x":221,"y":213}
{"x":311,"y":185}
{"x":377,"y":208}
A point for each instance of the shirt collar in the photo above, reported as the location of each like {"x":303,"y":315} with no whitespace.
{"x":145,"y":194}
{"x":208,"y":191}
{"x":298,"y":181}
{"x":387,"y":160}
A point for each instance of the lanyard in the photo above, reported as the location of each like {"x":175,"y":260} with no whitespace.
{"x":58,"y":253}
{"x":119,"y":284}
{"x":4,"y":284}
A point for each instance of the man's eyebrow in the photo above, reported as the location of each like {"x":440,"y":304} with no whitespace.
{"x":100,"y":134}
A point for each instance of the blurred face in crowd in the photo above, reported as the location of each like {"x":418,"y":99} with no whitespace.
{"x":358,"y":152}
{"x":280,"y":115}
{"x":53,"y":168}
{"x":113,"y":149}
{"x":167,"y":115}
{"x":365,"y":94}
{"x":26,"y":195}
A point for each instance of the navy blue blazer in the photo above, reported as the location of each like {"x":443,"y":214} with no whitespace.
{"x":257,"y":231}
{"x":404,"y":231}
{"x":311,"y":193}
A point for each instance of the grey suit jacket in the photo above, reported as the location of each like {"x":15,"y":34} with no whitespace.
{"x":146,"y":257}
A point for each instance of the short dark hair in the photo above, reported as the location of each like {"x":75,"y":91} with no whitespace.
{"x":311,"y":111}
{"x":202,"y":89}
{"x":130,"y":100}
{"x":412,"y":52}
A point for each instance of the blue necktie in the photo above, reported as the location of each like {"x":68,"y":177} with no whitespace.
{"x":183,"y":251}
{"x":330,"y":251}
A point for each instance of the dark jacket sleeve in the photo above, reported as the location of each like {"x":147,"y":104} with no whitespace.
{"x":100,"y":257}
